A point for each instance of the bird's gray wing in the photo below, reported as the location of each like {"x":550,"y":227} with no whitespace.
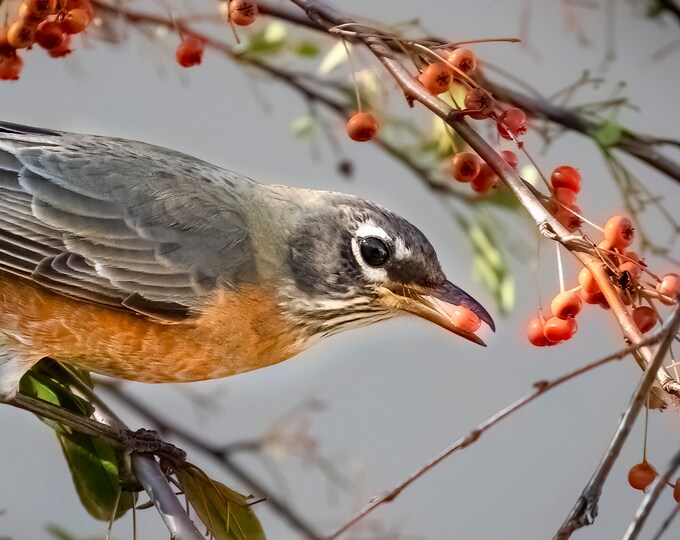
{"x":118,"y":222}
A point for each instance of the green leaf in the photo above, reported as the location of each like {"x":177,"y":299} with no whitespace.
{"x":269,"y":41}
{"x":226,"y":513}
{"x":608,"y":134}
{"x":307,"y":49}
{"x":303,"y":126}
{"x":59,"y":533}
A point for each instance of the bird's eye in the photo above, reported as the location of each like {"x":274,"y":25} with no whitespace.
{"x":374,"y":251}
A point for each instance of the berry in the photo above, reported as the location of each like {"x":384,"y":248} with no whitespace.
{"x":535,"y":333}
{"x":189,"y":51}
{"x":565,"y":305}
{"x":481,"y":102}
{"x":556,"y":330}
{"x":30,"y":17}
{"x":587,"y":281}
{"x":632,"y":268}
{"x":21,"y":35}
{"x":605,"y":245}
{"x":669,"y":286}
{"x":644,"y":318}
{"x":50,"y":35}
{"x":566,"y":177}
{"x":676,"y":491}
{"x":619,"y":231}
{"x":485,"y":179}
{"x":10,"y":67}
{"x":40,"y":8}
{"x":464,"y":60}
{"x":76,"y":21}
{"x":593,"y":298}
{"x":565,"y":196}
{"x":568,"y":218}
{"x":465,"y":319}
{"x":513,"y":121}
{"x":510,"y":157}
{"x":640,"y":476}
{"x":465,"y":166}
{"x":63,"y":49}
{"x":362,"y":127}
{"x":436,"y":78}
{"x":243,"y":12}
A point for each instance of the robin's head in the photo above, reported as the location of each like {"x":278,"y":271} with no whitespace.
{"x":354,"y":263}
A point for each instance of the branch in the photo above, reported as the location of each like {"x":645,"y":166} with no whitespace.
{"x":541,"y":387}
{"x":146,"y":468}
{"x":584,"y":511}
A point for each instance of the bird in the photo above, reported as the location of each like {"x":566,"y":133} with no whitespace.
{"x":143,"y":263}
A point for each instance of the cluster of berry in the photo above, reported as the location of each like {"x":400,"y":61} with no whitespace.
{"x":48,"y":23}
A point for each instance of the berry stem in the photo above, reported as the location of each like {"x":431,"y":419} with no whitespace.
{"x":354,"y":75}
{"x":560,"y":270}
{"x":485,"y":40}
{"x":644,"y":440}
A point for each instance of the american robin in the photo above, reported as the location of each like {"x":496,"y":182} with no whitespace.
{"x":143,"y":263}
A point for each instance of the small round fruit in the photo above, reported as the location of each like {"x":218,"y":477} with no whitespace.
{"x":593,"y":298}
{"x":485,"y":179}
{"x":362,"y":127}
{"x":464,"y":319}
{"x":566,"y":215}
{"x":21,"y":35}
{"x":465,"y":166}
{"x":669,"y":287}
{"x":30,"y":17}
{"x":644,"y":318}
{"x":632,"y":268}
{"x":510,"y":157}
{"x":605,"y":245}
{"x":535,"y":333}
{"x":676,"y":491}
{"x":566,"y":305}
{"x":556,"y":330}
{"x":566,"y":177}
{"x":190,"y":51}
{"x":243,"y":12}
{"x":76,"y":21}
{"x":513,"y":121}
{"x":41,"y":8}
{"x":50,"y":35}
{"x":436,"y":78}
{"x":587,"y":281}
{"x":565,"y":195}
{"x":10,"y":67}
{"x":481,"y":102}
{"x":619,"y":231}
{"x":464,"y":60}
{"x":641,"y":476}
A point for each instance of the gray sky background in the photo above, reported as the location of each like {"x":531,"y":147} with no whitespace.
{"x":398,"y":392}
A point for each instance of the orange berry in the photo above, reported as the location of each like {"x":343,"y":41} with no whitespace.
{"x":605,"y":245}
{"x":669,"y":287}
{"x":21,"y":35}
{"x":189,"y":51}
{"x":565,"y":195}
{"x":243,"y":12}
{"x":464,"y":60}
{"x":569,"y":219}
{"x":592,"y":297}
{"x":10,"y":67}
{"x":41,"y":8}
{"x":587,"y":281}
{"x":465,"y":319}
{"x":480,"y":101}
{"x":63,"y":49}
{"x":566,"y":177}
{"x":556,"y":330}
{"x":632,"y":268}
{"x":566,"y":305}
{"x":76,"y":21}
{"x":535,"y":333}
{"x":676,"y":491}
{"x":640,"y":476}
{"x":465,"y":166}
{"x":436,"y":78}
{"x":644,"y":318}
{"x":362,"y":127}
{"x":619,"y":231}
{"x":30,"y":17}
{"x":50,"y":35}
{"x":485,"y":180}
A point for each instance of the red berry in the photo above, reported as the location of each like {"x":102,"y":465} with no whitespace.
{"x":50,"y":35}
{"x":565,"y":305}
{"x":190,"y":51}
{"x":243,"y":12}
{"x":566,"y":177}
{"x":30,"y":17}
{"x":465,"y":319}
{"x":514,"y":121}
{"x":465,"y":166}
{"x":644,"y":318}
{"x":76,"y":21}
{"x":480,"y":101}
{"x":640,"y":476}
{"x":362,"y":127}
{"x":21,"y":35}
{"x":619,"y":231}
{"x":464,"y":60}
{"x":41,"y":8}
{"x":535,"y":333}
{"x":568,"y":218}
{"x":676,"y":491}
{"x":485,"y":179}
{"x":510,"y":157}
{"x":587,"y":281}
{"x":436,"y":78}
{"x":556,"y":330}
{"x":669,"y":286}
{"x":10,"y":67}
{"x":565,"y":195}
{"x":63,"y":49}
{"x":632,"y":268}
{"x":593,"y":298}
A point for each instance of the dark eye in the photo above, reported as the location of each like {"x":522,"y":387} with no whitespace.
{"x":374,"y":251}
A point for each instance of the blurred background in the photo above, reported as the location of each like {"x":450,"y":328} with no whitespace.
{"x":356,"y":414}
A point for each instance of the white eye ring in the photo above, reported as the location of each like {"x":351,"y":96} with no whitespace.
{"x":375,"y":274}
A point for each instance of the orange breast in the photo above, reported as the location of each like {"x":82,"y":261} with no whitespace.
{"x":235,"y":332}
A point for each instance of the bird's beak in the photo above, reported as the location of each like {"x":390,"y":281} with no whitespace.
{"x":435,"y":305}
